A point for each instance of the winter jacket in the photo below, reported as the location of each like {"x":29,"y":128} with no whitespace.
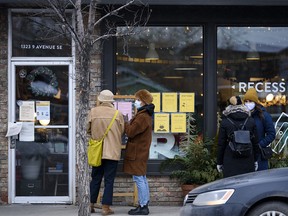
{"x":139,"y":133}
{"x":99,"y":119}
{"x":265,"y":131}
{"x":231,"y":164}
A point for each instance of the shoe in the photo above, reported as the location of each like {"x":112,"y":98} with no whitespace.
{"x":139,"y":210}
{"x":106,"y":210}
{"x":92,"y":210}
{"x":131,"y":211}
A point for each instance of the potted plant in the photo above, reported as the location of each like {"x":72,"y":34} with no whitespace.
{"x":195,"y":165}
{"x":32,"y":155}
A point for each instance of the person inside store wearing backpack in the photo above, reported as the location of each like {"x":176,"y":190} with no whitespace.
{"x":236,"y":116}
{"x":264,"y":123}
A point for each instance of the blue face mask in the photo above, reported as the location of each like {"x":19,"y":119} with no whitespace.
{"x":137,"y":104}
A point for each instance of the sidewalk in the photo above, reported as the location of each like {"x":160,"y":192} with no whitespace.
{"x":72,"y":210}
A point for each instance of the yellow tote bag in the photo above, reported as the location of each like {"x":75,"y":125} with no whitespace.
{"x":95,"y":147}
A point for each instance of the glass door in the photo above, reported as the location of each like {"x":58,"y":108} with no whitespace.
{"x":42,"y":167}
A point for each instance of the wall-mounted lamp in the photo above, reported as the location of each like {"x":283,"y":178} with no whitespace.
{"x":152,"y":54}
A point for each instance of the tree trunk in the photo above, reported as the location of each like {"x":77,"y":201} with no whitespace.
{"x":82,"y":168}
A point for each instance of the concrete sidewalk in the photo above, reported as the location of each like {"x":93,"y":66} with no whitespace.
{"x":72,"y":210}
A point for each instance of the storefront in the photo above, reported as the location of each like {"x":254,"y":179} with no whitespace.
{"x":203,"y":51}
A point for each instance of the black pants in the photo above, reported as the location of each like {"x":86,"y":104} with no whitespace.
{"x":108,"y":171}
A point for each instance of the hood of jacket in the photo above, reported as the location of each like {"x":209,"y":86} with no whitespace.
{"x":236,"y":111}
{"x":149,"y":108}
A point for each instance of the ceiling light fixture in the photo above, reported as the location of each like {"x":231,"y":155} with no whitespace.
{"x":185,"y":69}
{"x":152,"y":54}
{"x":173,"y":77}
{"x":253,"y":55}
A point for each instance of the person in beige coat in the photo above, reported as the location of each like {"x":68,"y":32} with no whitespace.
{"x":98,"y":120}
{"x":139,"y":133}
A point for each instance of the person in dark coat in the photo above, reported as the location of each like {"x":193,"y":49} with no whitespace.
{"x":139,"y":133}
{"x":226,"y":160}
{"x":264,"y":123}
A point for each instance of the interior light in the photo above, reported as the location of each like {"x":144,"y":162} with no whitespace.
{"x":173,"y":77}
{"x":252,"y":55}
{"x":152,"y":54}
{"x":269,"y":97}
{"x":185,"y":69}
{"x":44,"y":122}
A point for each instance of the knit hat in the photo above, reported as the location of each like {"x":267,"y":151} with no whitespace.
{"x":106,"y":96}
{"x":145,"y":96}
{"x":235,"y":100}
{"x":251,"y":95}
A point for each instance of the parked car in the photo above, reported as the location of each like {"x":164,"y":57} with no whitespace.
{"x":259,"y":193}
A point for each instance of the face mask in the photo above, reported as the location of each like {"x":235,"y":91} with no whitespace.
{"x":137,"y":104}
{"x":250,"y":105}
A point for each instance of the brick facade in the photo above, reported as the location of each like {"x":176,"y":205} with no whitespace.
{"x":164,"y":191}
{"x":3,"y":106}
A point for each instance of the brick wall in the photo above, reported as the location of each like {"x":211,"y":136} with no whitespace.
{"x":164,"y":191}
{"x":3,"y":106}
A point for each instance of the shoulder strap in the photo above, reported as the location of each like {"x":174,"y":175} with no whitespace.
{"x":236,"y":125}
{"x":244,"y":123}
{"x":108,"y":128}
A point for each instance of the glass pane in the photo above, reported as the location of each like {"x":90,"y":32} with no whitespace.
{"x":44,"y":83}
{"x":40,"y":35}
{"x":42,"y":152}
{"x":253,"y":57}
{"x":162,"y":60}
{"x":42,"y":165}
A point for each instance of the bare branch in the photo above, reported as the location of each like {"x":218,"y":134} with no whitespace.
{"x":79,"y":20}
{"x":63,"y":19}
{"x":113,"y":12}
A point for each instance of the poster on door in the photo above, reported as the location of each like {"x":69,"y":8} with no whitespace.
{"x":43,"y":110}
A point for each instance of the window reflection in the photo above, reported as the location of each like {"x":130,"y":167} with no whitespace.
{"x":42,"y":165}
{"x":162,"y":59}
{"x":39,"y":34}
{"x":44,"y":83}
{"x":253,"y":57}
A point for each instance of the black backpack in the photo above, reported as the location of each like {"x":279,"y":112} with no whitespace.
{"x":240,"y":141}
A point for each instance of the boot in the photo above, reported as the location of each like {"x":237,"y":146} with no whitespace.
{"x":106,"y":210}
{"x":92,"y":210}
{"x":139,"y":210}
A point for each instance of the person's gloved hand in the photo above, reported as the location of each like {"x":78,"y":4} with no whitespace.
{"x":256,"y":165}
{"x":220,"y":168}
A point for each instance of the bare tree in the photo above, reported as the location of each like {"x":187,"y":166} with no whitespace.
{"x":89,"y":17}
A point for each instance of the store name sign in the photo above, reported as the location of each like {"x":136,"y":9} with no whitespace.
{"x":262,"y":86}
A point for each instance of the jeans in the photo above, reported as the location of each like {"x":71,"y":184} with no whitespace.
{"x":262,"y":164}
{"x":143,"y":189}
{"x":107,"y":169}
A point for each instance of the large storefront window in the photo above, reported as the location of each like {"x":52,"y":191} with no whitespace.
{"x":167,"y":61}
{"x":253,"y":57}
